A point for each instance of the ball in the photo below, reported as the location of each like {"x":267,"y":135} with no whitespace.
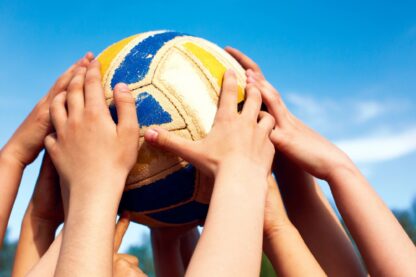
{"x":176,"y":80}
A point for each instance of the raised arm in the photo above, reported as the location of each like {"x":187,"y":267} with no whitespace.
{"x":93,"y":156}
{"x":282,"y":242}
{"x":230,"y":244}
{"x":25,"y":145}
{"x":307,"y":207}
{"x":384,"y":245}
{"x":43,"y":216}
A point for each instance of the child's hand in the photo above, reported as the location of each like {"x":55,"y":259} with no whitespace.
{"x":235,"y":139}
{"x":298,"y":142}
{"x":89,"y":150}
{"x":27,"y":141}
{"x":126,"y":266}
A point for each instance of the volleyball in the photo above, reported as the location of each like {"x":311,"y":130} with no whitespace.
{"x":176,"y":80}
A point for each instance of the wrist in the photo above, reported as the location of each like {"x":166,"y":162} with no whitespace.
{"x":9,"y":154}
{"x":41,"y":227}
{"x":103,"y":191}
{"x":242,"y":167}
{"x":341,"y":172}
{"x":276,"y":234}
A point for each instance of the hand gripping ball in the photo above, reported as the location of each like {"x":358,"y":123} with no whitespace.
{"x":176,"y":80}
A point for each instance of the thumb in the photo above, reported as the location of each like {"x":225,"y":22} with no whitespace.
{"x":168,"y":141}
{"x":126,"y":108}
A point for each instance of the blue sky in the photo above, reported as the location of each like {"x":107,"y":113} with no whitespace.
{"x":348,"y":69}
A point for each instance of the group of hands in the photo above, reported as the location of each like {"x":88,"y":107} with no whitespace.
{"x":88,"y":157}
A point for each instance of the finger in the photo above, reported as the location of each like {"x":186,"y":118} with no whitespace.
{"x":94,"y":92}
{"x":57,"y":111}
{"x":75,"y":93}
{"x":266,"y":122}
{"x":252,"y":104}
{"x":168,"y":141}
{"x":89,"y":56}
{"x":245,"y":61}
{"x":121,"y":228}
{"x":273,"y":102}
{"x":228,"y":96}
{"x":132,"y":260}
{"x":126,"y":108}
{"x":50,"y":143}
{"x":62,"y":83}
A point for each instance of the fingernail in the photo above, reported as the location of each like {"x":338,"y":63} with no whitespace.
{"x":250,"y":80}
{"x":122,"y":87}
{"x":250,"y":72}
{"x":231,"y":72}
{"x":151,"y":135}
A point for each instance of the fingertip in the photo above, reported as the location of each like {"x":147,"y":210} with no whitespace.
{"x":121,"y":87}
{"x":228,"y":48}
{"x":89,"y":55}
{"x":230,"y":73}
{"x":151,"y":135}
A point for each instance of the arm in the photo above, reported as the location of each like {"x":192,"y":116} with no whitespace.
{"x":282,"y":242}
{"x":123,"y":265}
{"x":383,"y":243}
{"x":172,"y":249}
{"x":236,"y":167}
{"x":43,"y":216}
{"x":85,"y":131}
{"x":25,"y":145}
{"x":306,"y":205}
{"x":311,"y":213}
{"x":230,"y":244}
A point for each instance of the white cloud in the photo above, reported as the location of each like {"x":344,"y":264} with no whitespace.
{"x":367,"y":110}
{"x":370,"y":149}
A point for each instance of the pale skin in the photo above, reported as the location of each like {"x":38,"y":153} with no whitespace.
{"x":123,"y":264}
{"x":383,"y":244}
{"x":45,"y":211}
{"x":240,"y":171}
{"x":26,"y":143}
{"x":282,"y":242}
{"x":85,"y":131}
{"x":307,"y":207}
{"x":43,"y":216}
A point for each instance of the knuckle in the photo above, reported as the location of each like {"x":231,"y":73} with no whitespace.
{"x":93,"y":112}
{"x":92,"y":79}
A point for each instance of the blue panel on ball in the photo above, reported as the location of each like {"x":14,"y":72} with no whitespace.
{"x":182,"y":214}
{"x":175,"y":188}
{"x":148,"y":111}
{"x":136,"y":64}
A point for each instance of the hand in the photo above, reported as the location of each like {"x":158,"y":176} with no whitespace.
{"x":294,"y":139}
{"x":46,"y":202}
{"x":236,"y":139}
{"x":89,"y":150}
{"x":27,"y":141}
{"x":126,"y":266}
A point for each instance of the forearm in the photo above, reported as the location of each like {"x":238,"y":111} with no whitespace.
{"x":11,"y":173}
{"x":166,"y":254}
{"x":89,"y":232}
{"x":285,"y":248}
{"x":384,"y":245}
{"x":231,"y":242}
{"x":188,"y":243}
{"x":313,"y":217}
{"x":36,"y":236}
